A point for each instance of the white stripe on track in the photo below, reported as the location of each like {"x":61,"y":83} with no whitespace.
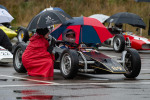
{"x":29,"y":79}
{"x":2,"y":86}
{"x":145,"y":69}
{"x":70,"y":84}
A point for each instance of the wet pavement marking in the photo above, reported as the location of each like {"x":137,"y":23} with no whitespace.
{"x":30,"y":79}
{"x":23,"y":85}
{"x":145,"y":69}
{"x":69,"y":84}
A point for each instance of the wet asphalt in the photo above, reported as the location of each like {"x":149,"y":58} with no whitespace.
{"x":20,"y":86}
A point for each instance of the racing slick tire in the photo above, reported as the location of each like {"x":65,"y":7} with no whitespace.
{"x":17,"y":58}
{"x":22,"y":34}
{"x":69,"y":63}
{"x":118,"y":43}
{"x":132,"y":63}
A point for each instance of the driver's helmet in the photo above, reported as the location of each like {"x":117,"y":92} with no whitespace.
{"x":69,"y":36}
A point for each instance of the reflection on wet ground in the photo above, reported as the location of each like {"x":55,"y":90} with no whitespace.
{"x":20,"y":86}
{"x":38,"y":95}
{"x":3,"y":79}
{"x":32,"y":94}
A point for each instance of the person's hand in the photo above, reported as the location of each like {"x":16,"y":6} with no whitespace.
{"x":52,"y":42}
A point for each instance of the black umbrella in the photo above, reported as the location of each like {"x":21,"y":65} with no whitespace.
{"x":142,"y":0}
{"x":47,"y":18}
{"x":127,"y":18}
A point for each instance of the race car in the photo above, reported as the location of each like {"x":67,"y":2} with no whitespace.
{"x":127,"y":39}
{"x":84,"y":59}
{"x":24,"y":35}
{"x":123,"y":38}
{"x":5,"y":56}
{"x":10,"y":33}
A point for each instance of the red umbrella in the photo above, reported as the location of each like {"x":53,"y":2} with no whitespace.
{"x":87,"y":30}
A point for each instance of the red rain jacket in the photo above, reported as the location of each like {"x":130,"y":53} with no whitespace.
{"x":36,"y":59}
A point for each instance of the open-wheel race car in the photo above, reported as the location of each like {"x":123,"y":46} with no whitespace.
{"x":86,"y":60}
{"x":77,"y":55}
{"x":122,"y":38}
{"x":128,"y":40}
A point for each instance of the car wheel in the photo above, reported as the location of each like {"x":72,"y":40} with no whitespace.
{"x":17,"y":58}
{"x":132,"y":63}
{"x":22,"y":35}
{"x":69,"y":63}
{"x":119,"y":43}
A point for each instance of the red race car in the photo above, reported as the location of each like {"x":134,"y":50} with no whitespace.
{"x":127,"y":39}
{"x":123,"y":39}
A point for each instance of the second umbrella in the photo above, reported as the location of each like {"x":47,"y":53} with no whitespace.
{"x":47,"y":18}
{"x":88,"y":30}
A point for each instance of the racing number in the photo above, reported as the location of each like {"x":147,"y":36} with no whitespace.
{"x":116,"y":68}
{"x":4,"y":53}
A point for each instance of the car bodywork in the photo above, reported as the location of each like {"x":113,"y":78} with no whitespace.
{"x":10,"y":33}
{"x":5,"y":56}
{"x":86,"y":60}
{"x":130,"y":41}
{"x":136,"y":42}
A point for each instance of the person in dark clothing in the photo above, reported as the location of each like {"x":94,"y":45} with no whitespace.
{"x":149,"y":26}
{"x":5,"y":41}
{"x":6,"y":25}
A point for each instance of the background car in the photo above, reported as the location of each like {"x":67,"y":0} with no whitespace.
{"x":122,"y":38}
{"x":5,"y":56}
{"x":10,"y":33}
{"x":127,"y":39}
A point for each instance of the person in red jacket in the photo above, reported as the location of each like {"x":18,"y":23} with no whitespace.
{"x":36,"y":59}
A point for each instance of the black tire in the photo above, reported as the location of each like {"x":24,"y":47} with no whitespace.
{"x":119,"y":43}
{"x":23,"y":34}
{"x":132,"y":63}
{"x":17,"y":58}
{"x":69,"y":63}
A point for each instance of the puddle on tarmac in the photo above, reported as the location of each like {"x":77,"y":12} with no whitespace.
{"x":32,"y":94}
{"x":3,"y":79}
{"x":38,"y":95}
{"x":18,"y":79}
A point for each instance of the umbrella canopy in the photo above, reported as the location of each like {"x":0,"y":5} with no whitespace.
{"x":3,"y":7}
{"x":128,"y":18}
{"x":5,"y":17}
{"x":47,"y":18}
{"x":53,"y":8}
{"x":142,"y":0}
{"x":102,"y":18}
{"x":87,"y":30}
